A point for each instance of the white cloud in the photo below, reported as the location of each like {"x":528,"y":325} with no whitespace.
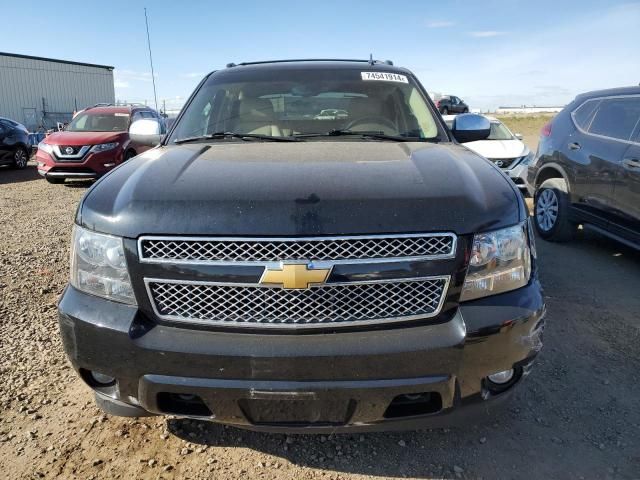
{"x":532,"y":67}
{"x":121,"y":84}
{"x":442,"y":24}
{"x":132,"y":75}
{"x":487,"y":33}
{"x":193,"y":75}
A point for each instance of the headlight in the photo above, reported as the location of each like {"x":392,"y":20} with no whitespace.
{"x":45,"y":147}
{"x":99,"y":267}
{"x":103,"y":147}
{"x":526,"y":160}
{"x":500,"y":262}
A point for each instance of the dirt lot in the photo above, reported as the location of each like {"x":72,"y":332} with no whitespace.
{"x":577,"y":416}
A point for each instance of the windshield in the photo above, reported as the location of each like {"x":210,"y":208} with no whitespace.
{"x":499,"y":132}
{"x":99,"y":122}
{"x":290,"y":103}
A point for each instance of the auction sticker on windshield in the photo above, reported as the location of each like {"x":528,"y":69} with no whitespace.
{"x":386,"y":77}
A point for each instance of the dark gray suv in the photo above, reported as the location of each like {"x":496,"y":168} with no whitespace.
{"x":587,"y":168}
{"x":14,"y":143}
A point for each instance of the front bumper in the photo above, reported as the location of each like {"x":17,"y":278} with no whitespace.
{"x":329,"y":382}
{"x":93,"y":165}
{"x":518,"y":175}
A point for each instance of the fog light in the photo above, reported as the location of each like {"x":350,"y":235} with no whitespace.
{"x":102,"y":379}
{"x":109,"y":165}
{"x":502,"y":377}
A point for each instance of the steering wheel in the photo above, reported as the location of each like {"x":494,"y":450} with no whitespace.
{"x":385,"y":122}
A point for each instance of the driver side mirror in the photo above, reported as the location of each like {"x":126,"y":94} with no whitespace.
{"x":470,"y":127}
{"x":146,"y":131}
{"x":518,"y":136}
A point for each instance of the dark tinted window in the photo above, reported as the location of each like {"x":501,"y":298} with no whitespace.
{"x":290,"y":102}
{"x":616,"y":117}
{"x":584,"y":113}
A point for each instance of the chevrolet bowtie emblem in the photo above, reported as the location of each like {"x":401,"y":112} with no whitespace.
{"x":295,"y":275}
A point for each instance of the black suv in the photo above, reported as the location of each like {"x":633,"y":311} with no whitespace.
{"x":451,"y":104}
{"x":587,"y":168}
{"x":14,"y":143}
{"x":274,"y":267}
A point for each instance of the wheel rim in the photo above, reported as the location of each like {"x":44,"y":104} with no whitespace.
{"x":547,"y":209}
{"x":21,"y":158}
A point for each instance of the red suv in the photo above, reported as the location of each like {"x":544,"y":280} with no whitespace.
{"x":94,"y":142}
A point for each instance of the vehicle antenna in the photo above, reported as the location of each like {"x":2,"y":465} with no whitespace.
{"x":371,"y":62}
{"x":153,"y":76}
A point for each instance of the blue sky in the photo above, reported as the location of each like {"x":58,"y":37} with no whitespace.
{"x":490,"y":53}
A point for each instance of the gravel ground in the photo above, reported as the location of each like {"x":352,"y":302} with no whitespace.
{"x":577,"y":416}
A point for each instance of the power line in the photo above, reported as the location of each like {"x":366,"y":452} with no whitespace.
{"x":153,"y":76}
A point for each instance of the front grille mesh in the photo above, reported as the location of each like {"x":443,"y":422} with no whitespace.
{"x":302,"y":249}
{"x":341,"y":304}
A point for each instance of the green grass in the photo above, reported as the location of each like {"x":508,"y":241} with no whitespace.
{"x":527,"y":125}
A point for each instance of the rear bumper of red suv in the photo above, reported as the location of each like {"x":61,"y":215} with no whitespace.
{"x":92,"y":165}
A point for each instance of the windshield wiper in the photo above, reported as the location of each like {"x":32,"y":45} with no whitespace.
{"x":366,"y":134}
{"x":242,"y":136}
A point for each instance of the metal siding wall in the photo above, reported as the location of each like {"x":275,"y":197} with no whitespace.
{"x":23,"y":83}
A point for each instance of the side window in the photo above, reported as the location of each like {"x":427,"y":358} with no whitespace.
{"x":616,"y":117}
{"x":584,"y":113}
{"x":81,"y":124}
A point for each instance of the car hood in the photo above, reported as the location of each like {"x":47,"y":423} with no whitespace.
{"x":498,"y":148}
{"x":83,"y":138}
{"x":297,"y":189}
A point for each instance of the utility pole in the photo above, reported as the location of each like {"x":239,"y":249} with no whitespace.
{"x":153,"y":76}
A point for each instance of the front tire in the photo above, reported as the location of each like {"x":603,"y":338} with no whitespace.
{"x":129,"y":155}
{"x":20,"y":158}
{"x":551,"y":211}
{"x":445,"y":111}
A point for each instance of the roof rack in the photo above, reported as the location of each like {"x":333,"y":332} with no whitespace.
{"x":127,"y":104}
{"x":370,"y":61}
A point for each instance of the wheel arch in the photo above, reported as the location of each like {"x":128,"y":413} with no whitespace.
{"x":551,"y":170}
{"x":23,"y":145}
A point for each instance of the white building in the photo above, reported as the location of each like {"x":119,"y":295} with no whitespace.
{"x":525,"y":109}
{"x":39,"y":92}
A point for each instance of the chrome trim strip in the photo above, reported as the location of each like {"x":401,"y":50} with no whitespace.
{"x":71,"y":174}
{"x":81,"y":153}
{"x":297,"y":326}
{"x":274,"y":264}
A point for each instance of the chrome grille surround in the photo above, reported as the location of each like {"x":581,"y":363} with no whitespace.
{"x":258,"y":251}
{"x":505,"y":163}
{"x":324,"y":306}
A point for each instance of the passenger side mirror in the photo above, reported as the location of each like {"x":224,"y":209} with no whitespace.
{"x":470,"y":127}
{"x":518,"y":136}
{"x":146,"y":131}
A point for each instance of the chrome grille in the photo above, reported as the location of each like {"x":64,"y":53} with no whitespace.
{"x":427,"y":246}
{"x":327,"y":305}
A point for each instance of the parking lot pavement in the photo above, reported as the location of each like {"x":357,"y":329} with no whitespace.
{"x":577,"y":415}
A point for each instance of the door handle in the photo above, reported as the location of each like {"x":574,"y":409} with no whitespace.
{"x":631,"y":162}
{"x":574,"y":146}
